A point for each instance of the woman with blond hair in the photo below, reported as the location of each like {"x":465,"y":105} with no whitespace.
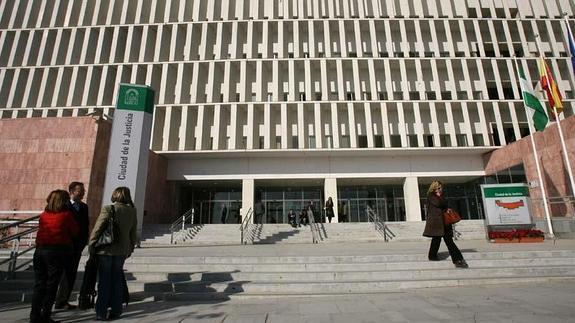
{"x":111,"y":257}
{"x":54,"y":244}
{"x":436,"y":229}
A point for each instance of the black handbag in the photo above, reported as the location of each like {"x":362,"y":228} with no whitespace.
{"x":110,"y":233}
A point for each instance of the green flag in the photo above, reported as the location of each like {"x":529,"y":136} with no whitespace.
{"x":535,"y":110}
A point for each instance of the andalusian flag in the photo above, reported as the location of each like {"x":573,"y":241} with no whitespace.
{"x":535,"y":110}
{"x":549,"y":85}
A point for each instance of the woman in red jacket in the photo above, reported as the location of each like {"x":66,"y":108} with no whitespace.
{"x":53,"y":244}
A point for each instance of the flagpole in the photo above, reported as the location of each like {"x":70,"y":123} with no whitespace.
{"x":565,"y":154}
{"x":559,"y":128}
{"x":537,"y":166}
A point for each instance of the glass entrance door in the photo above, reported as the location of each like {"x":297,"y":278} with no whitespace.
{"x":275,"y":212}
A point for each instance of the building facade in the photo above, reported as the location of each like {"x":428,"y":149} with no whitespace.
{"x":293,"y":101}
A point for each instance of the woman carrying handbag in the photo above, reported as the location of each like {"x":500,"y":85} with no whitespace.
{"x":435,"y":226}
{"x":113,"y":239}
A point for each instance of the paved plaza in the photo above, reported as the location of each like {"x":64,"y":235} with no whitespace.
{"x":550,"y":301}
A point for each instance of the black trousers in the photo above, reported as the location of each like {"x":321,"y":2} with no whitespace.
{"x":454,"y":252}
{"x":48,"y":268}
{"x":68,"y":278}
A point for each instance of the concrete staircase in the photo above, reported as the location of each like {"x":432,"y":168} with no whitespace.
{"x":177,"y":274}
{"x":226,"y":234}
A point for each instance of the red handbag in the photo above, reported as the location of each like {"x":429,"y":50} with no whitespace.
{"x":450,"y":216}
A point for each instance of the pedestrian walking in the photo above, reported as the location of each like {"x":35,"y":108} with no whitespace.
{"x":329,"y":209}
{"x":436,"y":229}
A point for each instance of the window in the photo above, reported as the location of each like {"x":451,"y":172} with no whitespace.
{"x":318,"y":96}
{"x":383,"y":54}
{"x":329,"y":141}
{"x":446,"y":95}
{"x":430,"y":95}
{"x":362,"y":141}
{"x":345,"y":142}
{"x":382,"y":96}
{"x":445,"y":140}
{"x":290,"y":55}
{"x":413,"y":95}
{"x":270,"y":96}
{"x":254,"y":97}
{"x":395,"y":140}
{"x":285,"y":96}
{"x":478,"y":140}
{"x":461,"y":140}
{"x":352,"y":54}
{"x":367,"y":96}
{"x":413,"y":142}
{"x":278,"y":142}
{"x":350,"y":96}
{"x":492,"y":93}
{"x":428,"y":141}
{"x":311,"y":142}
{"x":294,"y":142}
{"x":302,"y":96}
{"x":261,"y":142}
{"x":378,"y":142}
{"x":508,"y":93}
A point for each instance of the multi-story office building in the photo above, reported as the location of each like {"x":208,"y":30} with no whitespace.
{"x":291,"y":101}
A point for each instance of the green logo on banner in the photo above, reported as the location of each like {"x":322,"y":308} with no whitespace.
{"x":135,"y":98}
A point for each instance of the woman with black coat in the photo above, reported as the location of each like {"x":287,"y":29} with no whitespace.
{"x":436,"y":229}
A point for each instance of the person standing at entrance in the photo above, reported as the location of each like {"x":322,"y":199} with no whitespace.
{"x":259,"y":211}
{"x":111,"y":257}
{"x":436,"y":229}
{"x":224,"y":217}
{"x":80,"y":211}
{"x":343,"y":212}
{"x":329,"y":209}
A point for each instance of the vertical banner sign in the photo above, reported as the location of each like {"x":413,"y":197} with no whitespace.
{"x":129,"y":145}
{"x":506,"y":204}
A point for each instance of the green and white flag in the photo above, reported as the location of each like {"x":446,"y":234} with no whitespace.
{"x":535,"y":110}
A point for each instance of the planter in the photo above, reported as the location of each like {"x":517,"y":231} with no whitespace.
{"x":518,"y":240}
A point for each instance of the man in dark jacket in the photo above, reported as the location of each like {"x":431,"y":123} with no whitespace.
{"x":81,"y":215}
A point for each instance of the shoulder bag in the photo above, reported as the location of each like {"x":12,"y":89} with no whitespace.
{"x":450,"y":216}
{"x":110,"y":233}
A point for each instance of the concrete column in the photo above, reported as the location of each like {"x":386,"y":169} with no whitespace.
{"x":411,"y":198}
{"x":247,"y":198}
{"x":330,"y":189}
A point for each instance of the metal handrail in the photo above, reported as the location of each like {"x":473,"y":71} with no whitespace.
{"x":379,"y":225}
{"x":245,"y":223}
{"x":15,"y":239}
{"x":313,"y":228}
{"x":181,"y":221}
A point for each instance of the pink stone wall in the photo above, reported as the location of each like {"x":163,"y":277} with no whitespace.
{"x":160,"y":194}
{"x":40,"y":155}
{"x":553,"y":169}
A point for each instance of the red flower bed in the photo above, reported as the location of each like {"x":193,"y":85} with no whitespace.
{"x":516,"y":234}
